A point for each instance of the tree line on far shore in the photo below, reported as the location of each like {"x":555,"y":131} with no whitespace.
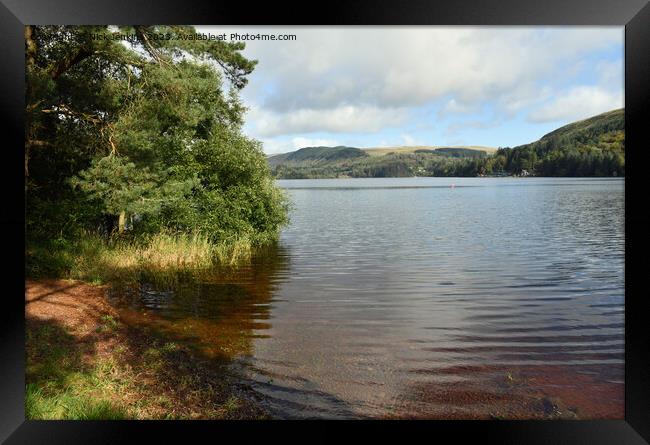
{"x":592,"y":147}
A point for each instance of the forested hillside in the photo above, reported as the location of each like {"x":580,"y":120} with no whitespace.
{"x":591,"y":147}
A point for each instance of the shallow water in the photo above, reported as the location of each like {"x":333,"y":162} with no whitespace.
{"x":427,"y":297}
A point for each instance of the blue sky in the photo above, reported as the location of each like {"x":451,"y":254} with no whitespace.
{"x":392,"y":86}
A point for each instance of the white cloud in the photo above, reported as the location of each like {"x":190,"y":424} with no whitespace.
{"x":409,"y":140}
{"x":453,"y":106}
{"x":457,"y":127}
{"x":301,"y":142}
{"x":365,"y":79}
{"x":342,"y":119}
{"x":274,"y":146}
{"x":578,"y":103}
{"x":284,"y":145}
{"x":610,"y":73}
{"x":523,"y":96}
{"x":397,"y":66}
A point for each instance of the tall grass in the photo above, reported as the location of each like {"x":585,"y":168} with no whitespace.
{"x":162,"y":259}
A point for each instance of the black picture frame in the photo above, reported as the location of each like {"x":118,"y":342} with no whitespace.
{"x":633,"y":14}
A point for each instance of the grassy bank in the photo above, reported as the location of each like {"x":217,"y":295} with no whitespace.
{"x":162,"y":259}
{"x":86,"y":362}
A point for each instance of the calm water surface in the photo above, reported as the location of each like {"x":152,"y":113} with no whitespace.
{"x":428,"y":297}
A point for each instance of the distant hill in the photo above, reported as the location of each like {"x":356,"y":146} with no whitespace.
{"x":591,"y":129}
{"x":380,"y":151}
{"x":457,"y":152}
{"x":335,"y":162}
{"x":590,"y":147}
{"x":326,"y":154}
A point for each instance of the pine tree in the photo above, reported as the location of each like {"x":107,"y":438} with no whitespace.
{"x":150,"y":127}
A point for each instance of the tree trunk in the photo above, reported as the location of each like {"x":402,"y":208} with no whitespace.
{"x":30,"y":61}
{"x":121,"y":222}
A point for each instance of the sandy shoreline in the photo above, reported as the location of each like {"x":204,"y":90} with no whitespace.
{"x":151,"y":377}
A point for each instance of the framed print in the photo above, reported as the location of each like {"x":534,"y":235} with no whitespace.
{"x":392,"y":218}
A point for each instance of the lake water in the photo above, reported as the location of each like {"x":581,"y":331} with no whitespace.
{"x":428,"y":297}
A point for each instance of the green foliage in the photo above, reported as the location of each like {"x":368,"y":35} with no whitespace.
{"x":147,"y":130}
{"x":60,"y":385}
{"x":68,"y":405}
{"x":119,"y":185}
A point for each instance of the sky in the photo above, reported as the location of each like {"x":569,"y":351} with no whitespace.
{"x":392,"y":86}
